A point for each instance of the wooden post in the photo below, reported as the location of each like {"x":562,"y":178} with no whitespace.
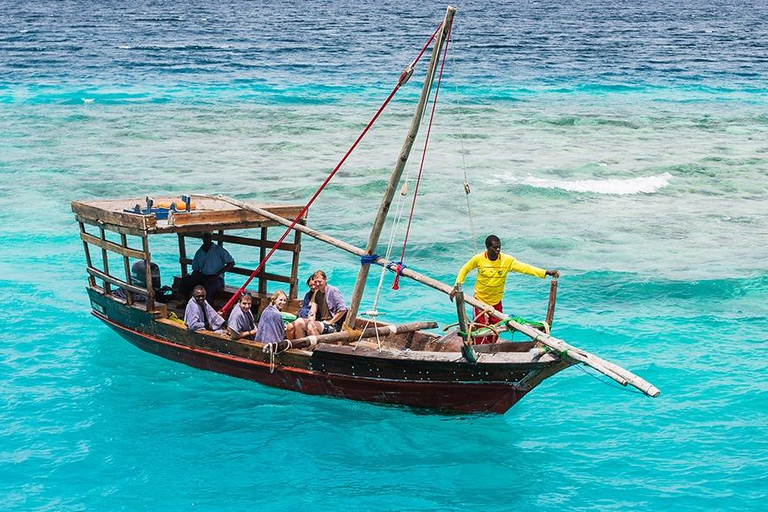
{"x":91,"y":279}
{"x":552,"y":300}
{"x":461,"y":311}
{"x":371,"y":332}
{"x":105,"y":260}
{"x":148,"y":273}
{"x":394,"y":179}
{"x":262,"y":255}
{"x":182,"y":254}
{"x":127,"y":265}
{"x":294,"y":290}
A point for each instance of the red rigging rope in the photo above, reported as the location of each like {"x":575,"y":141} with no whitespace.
{"x":404,"y":76}
{"x":401,"y":264}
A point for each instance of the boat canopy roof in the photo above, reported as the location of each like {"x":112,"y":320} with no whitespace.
{"x":134,"y":216}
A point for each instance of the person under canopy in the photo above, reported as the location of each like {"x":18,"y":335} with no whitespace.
{"x":210,"y":263}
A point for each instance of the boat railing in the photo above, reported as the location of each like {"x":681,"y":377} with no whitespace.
{"x":125,"y":253}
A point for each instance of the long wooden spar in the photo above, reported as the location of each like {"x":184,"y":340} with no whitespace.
{"x":615,"y":372}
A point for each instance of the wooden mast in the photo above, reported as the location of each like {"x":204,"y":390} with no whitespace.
{"x":394,"y":179}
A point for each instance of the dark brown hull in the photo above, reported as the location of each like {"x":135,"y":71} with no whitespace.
{"x":344,"y":375}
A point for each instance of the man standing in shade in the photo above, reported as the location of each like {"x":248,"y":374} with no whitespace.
{"x":492,"y":269}
{"x":210,"y":263}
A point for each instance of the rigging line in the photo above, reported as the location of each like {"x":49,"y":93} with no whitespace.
{"x":391,"y":243}
{"x":398,"y":215}
{"x":462,"y":132}
{"x":423,"y":155}
{"x":404,"y":76}
{"x":396,"y":218}
{"x":610,"y":384}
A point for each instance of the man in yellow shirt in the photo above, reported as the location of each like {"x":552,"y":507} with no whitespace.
{"x":492,"y":269}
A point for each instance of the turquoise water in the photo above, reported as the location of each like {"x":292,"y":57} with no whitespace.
{"x":624,"y":145}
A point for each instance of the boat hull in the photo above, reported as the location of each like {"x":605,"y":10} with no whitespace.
{"x":368,"y":379}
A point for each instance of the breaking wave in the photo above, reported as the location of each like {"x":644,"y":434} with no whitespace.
{"x":613,"y":186}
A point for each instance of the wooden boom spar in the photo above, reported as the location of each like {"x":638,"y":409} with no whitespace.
{"x":371,"y":332}
{"x":615,"y":372}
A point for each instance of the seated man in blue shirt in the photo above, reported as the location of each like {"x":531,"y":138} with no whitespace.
{"x":210,"y":263}
{"x":200,"y":315}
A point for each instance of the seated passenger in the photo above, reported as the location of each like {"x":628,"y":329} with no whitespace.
{"x":210,"y":263}
{"x":271,"y":328}
{"x":306,"y":305}
{"x":306,"y":312}
{"x":241,"y":323}
{"x":139,"y":278}
{"x":200,"y":315}
{"x":331,"y":310}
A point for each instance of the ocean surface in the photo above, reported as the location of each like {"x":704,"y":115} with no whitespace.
{"x":625,"y":144}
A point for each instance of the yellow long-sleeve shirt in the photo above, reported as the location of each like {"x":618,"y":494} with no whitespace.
{"x":492,"y":275}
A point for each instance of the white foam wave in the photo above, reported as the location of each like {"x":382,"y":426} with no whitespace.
{"x":641,"y":185}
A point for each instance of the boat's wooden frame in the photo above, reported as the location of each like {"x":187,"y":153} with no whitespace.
{"x":406,"y":366}
{"x":411,"y":367}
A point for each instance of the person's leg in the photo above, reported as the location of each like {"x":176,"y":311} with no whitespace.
{"x":481,"y":319}
{"x":498,"y":307}
{"x":299,"y":328}
{"x":212,"y":286}
{"x":315,"y":328}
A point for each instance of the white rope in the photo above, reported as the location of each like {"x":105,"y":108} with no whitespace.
{"x":271,"y":349}
{"x":396,"y":220}
{"x":467,"y":190}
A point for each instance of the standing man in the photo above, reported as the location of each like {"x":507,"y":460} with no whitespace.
{"x":210,"y":263}
{"x":492,"y":269}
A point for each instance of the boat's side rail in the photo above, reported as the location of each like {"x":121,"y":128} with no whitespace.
{"x":128,"y":286}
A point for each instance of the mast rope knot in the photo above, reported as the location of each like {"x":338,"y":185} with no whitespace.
{"x":398,"y":267}
{"x":405,"y":75}
{"x":354,"y":334}
{"x":367,"y":259}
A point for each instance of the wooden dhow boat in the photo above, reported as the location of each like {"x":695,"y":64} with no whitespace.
{"x":369,"y":360}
